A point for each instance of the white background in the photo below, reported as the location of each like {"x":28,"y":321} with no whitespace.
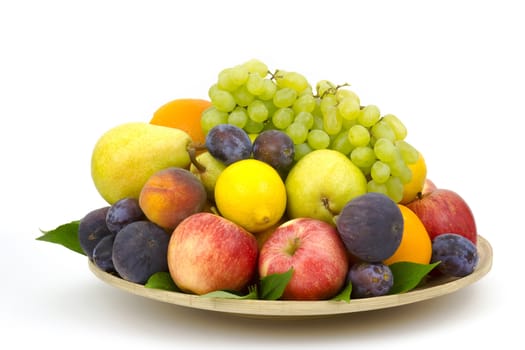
{"x":453,"y":71}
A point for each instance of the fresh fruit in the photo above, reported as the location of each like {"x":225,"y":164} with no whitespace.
{"x":321,"y":183}
{"x":371,"y":227}
{"x":415,"y":245}
{"x":228,"y":143}
{"x":428,"y":186}
{"x":122,"y":213}
{"x":207,"y":168}
{"x":139,"y":251}
{"x":328,"y":116}
{"x":370,"y":279}
{"x":445,"y":211}
{"x":207,"y":253}
{"x":275,"y":148}
{"x":125,"y":157}
{"x":314,"y":250}
{"x":171,"y":195}
{"x":416,"y":184}
{"x":458,"y":256}
{"x":184,"y":114}
{"x":103,"y":254}
{"x":252,"y":194}
{"x":92,"y":228}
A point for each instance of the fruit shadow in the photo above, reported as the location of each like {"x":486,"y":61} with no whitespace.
{"x":158,"y":320}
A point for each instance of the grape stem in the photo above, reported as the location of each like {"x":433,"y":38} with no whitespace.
{"x":333,"y":91}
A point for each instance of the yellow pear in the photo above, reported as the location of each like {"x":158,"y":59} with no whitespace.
{"x":125,"y":157}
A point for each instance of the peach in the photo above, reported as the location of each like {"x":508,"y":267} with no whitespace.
{"x":171,"y":195}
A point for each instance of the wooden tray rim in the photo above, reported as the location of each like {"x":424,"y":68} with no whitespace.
{"x":302,"y":309}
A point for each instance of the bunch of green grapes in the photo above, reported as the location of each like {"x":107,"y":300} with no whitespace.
{"x":330,"y":116}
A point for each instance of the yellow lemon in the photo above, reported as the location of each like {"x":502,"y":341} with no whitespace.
{"x":251,"y":193}
{"x":419,"y":174}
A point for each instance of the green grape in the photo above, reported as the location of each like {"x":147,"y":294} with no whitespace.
{"x":257,"y":111}
{"x":297,"y":132}
{"x":269,"y":90}
{"x":327,"y":102}
{"x":397,"y":126}
{"x":385,"y":150}
{"x":409,"y":154}
{"x":270,"y":107}
{"x":399,"y":169}
{"x":341,"y":143}
{"x":380,"y":172}
{"x":332,"y":121}
{"x":253,"y":127}
{"x":242,"y":96}
{"x":284,"y":97}
{"x":292,"y":80}
{"x":301,"y":150}
{"x":347,"y":124}
{"x":383,"y":130}
{"x":282,"y":118}
{"x":222,"y":100}
{"x":349,"y":108}
{"x":363,"y":157}
{"x":318,"y":122}
{"x":212,"y":117}
{"x":369,"y":115}
{"x":342,"y":94}
{"x":376,"y":187}
{"x":255,"y":84}
{"x":318,"y":139}
{"x":324,"y":87}
{"x":226,"y":80}
{"x":256,"y":66}
{"x":304,"y":103}
{"x":305,"y":118}
{"x":394,"y":188}
{"x":358,"y":135}
{"x":238,"y":117}
{"x":239,"y":75}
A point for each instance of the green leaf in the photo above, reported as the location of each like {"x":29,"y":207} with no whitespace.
{"x":161,"y":280}
{"x":252,"y":294}
{"x":272,"y":286}
{"x":66,"y":235}
{"x":408,"y":275}
{"x":344,"y":295}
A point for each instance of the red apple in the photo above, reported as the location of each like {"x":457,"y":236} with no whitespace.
{"x":428,"y":186}
{"x":315,"y":251}
{"x":445,"y":211}
{"x":207,"y":252}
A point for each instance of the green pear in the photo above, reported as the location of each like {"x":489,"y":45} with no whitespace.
{"x":125,"y":157}
{"x":321,"y":183}
{"x":207,"y":168}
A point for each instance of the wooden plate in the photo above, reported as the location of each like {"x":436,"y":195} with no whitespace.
{"x":302,"y":309}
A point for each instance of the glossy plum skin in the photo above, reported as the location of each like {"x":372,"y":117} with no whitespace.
{"x":123,"y":212}
{"x":370,"y":279}
{"x":458,"y":256}
{"x":228,"y":143}
{"x":371,"y":226}
{"x":140,"y":250}
{"x":276,"y":148}
{"x":103,"y":254}
{"x":92,"y":228}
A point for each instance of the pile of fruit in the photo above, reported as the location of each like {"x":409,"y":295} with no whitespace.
{"x":272,"y":189}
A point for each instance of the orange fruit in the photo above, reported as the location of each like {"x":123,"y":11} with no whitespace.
{"x":185,"y":114}
{"x":415,"y":245}
{"x":419,"y":174}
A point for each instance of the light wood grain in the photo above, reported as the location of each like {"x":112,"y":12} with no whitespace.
{"x":303,"y":309}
